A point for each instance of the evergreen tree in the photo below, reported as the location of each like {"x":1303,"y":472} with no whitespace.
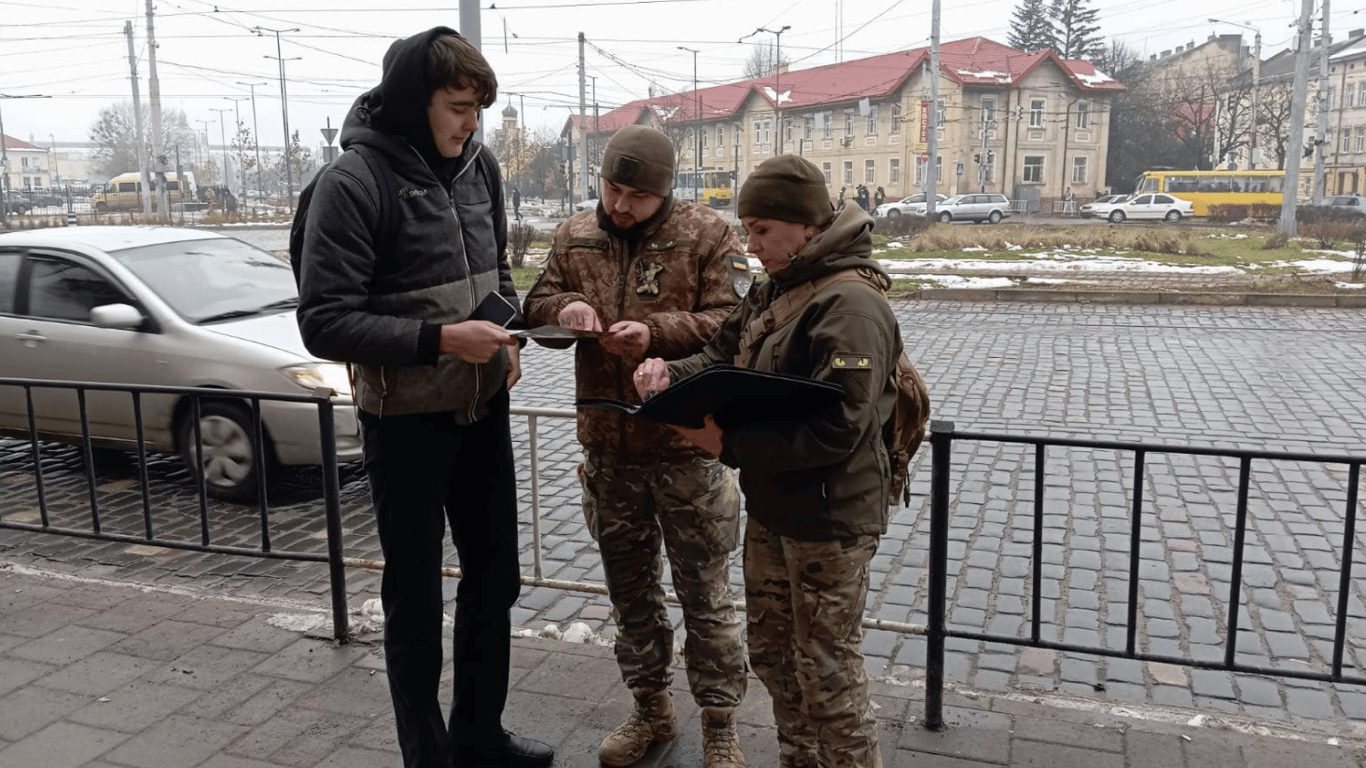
{"x":1031,"y":27}
{"x":1076,"y":27}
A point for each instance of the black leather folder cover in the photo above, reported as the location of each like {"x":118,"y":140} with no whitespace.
{"x":734,"y":396}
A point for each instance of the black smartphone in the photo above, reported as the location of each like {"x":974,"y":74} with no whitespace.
{"x":495,"y":308}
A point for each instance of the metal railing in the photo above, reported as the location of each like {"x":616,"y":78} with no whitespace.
{"x":937,"y":629}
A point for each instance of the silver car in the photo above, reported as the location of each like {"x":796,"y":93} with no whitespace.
{"x":976,"y":206}
{"x":163,"y":306}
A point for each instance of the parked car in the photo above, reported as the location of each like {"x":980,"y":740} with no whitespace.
{"x":977,"y":206}
{"x":17,"y":204}
{"x":1100,"y":207}
{"x":1151,"y":206}
{"x":586,"y":205}
{"x":163,"y":306}
{"x":905,"y":205}
{"x":1353,"y":202}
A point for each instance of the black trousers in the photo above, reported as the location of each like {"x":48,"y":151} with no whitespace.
{"x":426,"y":471}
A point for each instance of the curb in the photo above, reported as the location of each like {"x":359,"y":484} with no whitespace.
{"x":1031,"y":296}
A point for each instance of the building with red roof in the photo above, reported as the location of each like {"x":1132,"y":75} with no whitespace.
{"x":1027,"y":124}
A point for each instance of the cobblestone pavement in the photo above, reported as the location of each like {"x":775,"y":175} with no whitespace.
{"x":1279,"y":379}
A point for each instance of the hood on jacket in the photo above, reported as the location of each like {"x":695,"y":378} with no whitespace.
{"x":846,"y":244}
{"x":398,"y":105}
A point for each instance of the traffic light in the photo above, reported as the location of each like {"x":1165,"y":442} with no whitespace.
{"x":977,"y":158}
{"x":1309,"y":151}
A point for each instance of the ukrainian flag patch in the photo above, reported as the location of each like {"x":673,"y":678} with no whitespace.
{"x":739,"y":263}
{"x":843,"y":361}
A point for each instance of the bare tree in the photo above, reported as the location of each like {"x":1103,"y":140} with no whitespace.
{"x":763,"y":60}
{"x":114,"y":134}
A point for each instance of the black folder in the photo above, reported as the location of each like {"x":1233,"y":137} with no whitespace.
{"x":734,"y":396}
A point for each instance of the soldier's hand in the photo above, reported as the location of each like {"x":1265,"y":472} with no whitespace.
{"x":651,"y":378}
{"x":579,"y":316}
{"x":475,"y":341}
{"x":628,"y":339}
{"x":514,"y":365}
{"x":709,"y":438}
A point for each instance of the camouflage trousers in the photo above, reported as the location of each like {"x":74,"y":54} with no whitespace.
{"x":692,"y":508}
{"x":805,"y":610}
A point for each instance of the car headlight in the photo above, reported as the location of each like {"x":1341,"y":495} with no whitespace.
{"x":313,"y":375}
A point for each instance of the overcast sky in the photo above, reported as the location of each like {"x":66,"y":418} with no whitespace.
{"x":75,"y":52}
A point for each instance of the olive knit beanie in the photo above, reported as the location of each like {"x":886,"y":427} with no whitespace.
{"x":786,"y":188}
{"x":642,"y":158}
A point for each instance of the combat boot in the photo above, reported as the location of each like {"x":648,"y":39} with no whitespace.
{"x":720,"y":745}
{"x":651,"y":722}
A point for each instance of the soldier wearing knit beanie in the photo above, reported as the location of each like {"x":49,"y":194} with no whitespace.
{"x":641,"y":158}
{"x":786,"y":188}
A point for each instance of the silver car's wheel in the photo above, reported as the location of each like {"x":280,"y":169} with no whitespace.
{"x":892,"y":214}
{"x":995,"y":217}
{"x":946,"y":217}
{"x":231,"y":465}
{"x":1116,"y":217}
{"x":1173,"y":216}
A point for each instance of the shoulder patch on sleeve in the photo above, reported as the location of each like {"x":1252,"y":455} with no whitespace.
{"x":740,"y":263}
{"x":847,"y":361}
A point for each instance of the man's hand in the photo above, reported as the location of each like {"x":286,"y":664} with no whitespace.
{"x":579,"y":316}
{"x":651,"y":378}
{"x":709,"y":438}
{"x":628,"y":339}
{"x":475,"y":341}
{"x":514,"y":365}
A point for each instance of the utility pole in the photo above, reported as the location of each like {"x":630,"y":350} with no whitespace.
{"x":137,"y":121}
{"x":583,"y":124}
{"x":236,"y":139}
{"x":932,"y":142}
{"x":1321,"y":119}
{"x":777,"y":86}
{"x":154,"y":96}
{"x":222,"y":138}
{"x":697,"y":128}
{"x":255,"y":137}
{"x":1295,"y":142}
{"x":207,"y":159}
{"x":284,"y":110}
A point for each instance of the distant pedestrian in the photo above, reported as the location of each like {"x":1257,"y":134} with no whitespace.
{"x":839,"y":206}
{"x":879,"y":197}
{"x":1068,"y":202}
{"x":863,"y":197}
{"x":517,"y":203}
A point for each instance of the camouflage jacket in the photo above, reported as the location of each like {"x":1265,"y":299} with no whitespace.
{"x":681,"y":280}
{"x":821,"y":476}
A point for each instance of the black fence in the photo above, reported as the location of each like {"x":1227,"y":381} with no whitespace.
{"x":945,"y":507}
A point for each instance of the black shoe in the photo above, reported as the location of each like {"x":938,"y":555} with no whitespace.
{"x":512,"y":751}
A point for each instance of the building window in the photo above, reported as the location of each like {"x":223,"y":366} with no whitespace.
{"x":1083,"y":115}
{"x":848,"y":122}
{"x":1332,"y":95}
{"x":872,"y":120}
{"x":787,"y":129}
{"x":768,"y":131}
{"x":869,"y":171}
{"x":988,"y":113}
{"x":939,"y":113}
{"x":894,"y":171}
{"x":703,"y":133}
{"x":920,"y":163}
{"x":758,"y":131}
{"x":1346,"y":141}
{"x":896,"y":119}
{"x":828,"y":118}
{"x":1036,"y":107}
{"x":738,"y":137}
{"x":1348,"y":98}
{"x":806,"y":128}
{"x":720,"y":136}
{"x":1361,"y":139}
{"x":1079,"y":168}
{"x":1033,"y":168}
{"x":848,"y":173}
{"x":825,"y":171}
{"x":1361,"y":94}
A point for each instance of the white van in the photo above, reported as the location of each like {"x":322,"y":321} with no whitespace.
{"x":124,"y":192}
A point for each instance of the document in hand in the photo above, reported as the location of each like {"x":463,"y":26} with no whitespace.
{"x":734,"y":396}
{"x":556,"y":332}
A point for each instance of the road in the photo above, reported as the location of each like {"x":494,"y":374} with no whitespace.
{"x":1280,"y":379}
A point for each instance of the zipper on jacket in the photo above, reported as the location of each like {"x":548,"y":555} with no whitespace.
{"x":383,"y":390}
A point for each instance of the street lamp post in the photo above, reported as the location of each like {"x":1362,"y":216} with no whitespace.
{"x":777,"y":84}
{"x":57,"y":171}
{"x":697,"y":128}
{"x":284,"y":108}
{"x":1256,"y":83}
{"x":222,"y":137}
{"x":255,"y":136}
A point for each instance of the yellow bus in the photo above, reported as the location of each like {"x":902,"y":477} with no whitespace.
{"x":1206,"y":188}
{"x":710,"y":186}
{"x":124,"y":192}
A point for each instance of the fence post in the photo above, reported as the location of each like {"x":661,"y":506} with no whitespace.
{"x":332,"y":507}
{"x":941,"y":447}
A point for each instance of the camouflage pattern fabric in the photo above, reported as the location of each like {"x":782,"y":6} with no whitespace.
{"x":805,"y":609}
{"x":692,"y":508}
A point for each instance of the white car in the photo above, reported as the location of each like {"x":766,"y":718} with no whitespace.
{"x":1100,"y":207}
{"x":586,"y":205}
{"x":904,"y":205}
{"x":163,"y":306}
{"x":1151,"y":206}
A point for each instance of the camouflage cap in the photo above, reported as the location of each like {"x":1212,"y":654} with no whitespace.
{"x":640,"y":157}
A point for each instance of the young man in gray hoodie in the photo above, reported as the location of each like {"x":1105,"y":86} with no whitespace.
{"x":391,"y":272}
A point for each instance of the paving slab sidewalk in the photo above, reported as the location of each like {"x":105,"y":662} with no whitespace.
{"x":108,"y":674}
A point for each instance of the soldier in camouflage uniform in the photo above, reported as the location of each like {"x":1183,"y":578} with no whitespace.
{"x":658,"y":275}
{"x":816,"y":487}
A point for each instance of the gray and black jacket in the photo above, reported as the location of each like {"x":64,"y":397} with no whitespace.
{"x":380,"y":306}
